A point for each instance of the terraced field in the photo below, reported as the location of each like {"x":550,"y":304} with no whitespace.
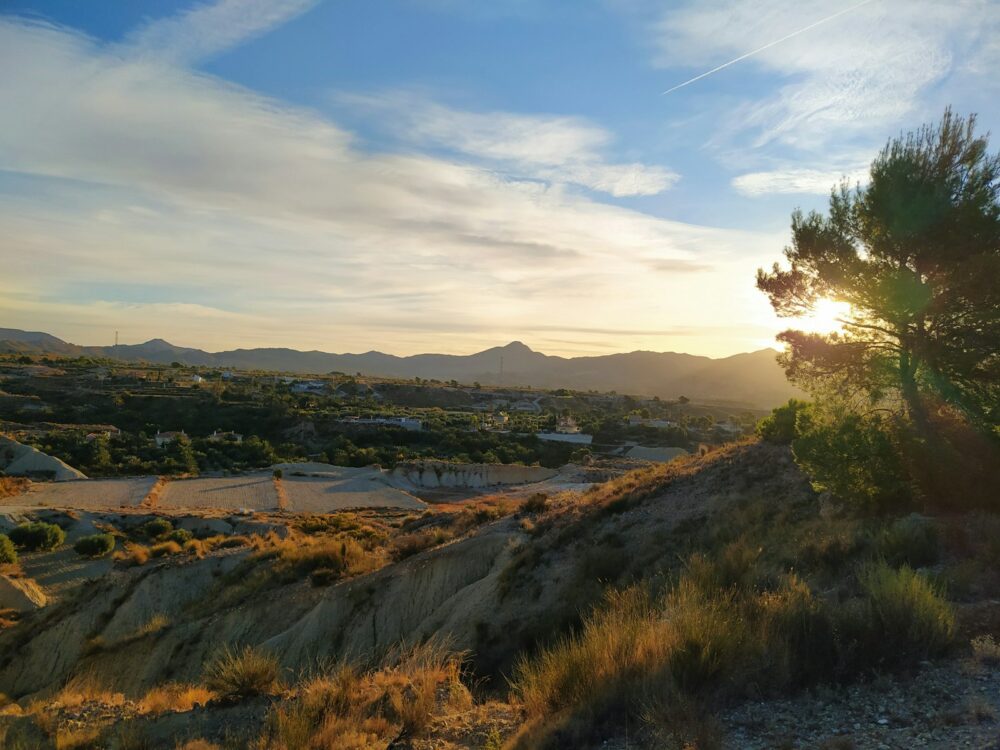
{"x":86,"y":493}
{"x":255,"y":491}
{"x":325,"y":495}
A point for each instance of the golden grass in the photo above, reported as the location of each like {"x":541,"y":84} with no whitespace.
{"x":175,"y":697}
{"x":241,"y":673}
{"x":77,"y":738}
{"x":133,"y":555}
{"x":77,"y":691}
{"x":11,"y":486}
{"x":163,"y":549}
{"x":351,"y":710}
{"x":720,"y":628}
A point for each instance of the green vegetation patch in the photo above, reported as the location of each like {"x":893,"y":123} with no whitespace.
{"x":37,"y":536}
{"x":95,"y":545}
{"x":8,"y":555}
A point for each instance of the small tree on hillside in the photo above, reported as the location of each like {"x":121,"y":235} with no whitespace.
{"x":916,"y":255}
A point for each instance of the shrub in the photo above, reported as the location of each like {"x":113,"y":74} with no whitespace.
{"x":901,"y":617}
{"x":407,"y":545}
{"x":721,"y":629}
{"x":536,"y":503}
{"x":95,"y":545}
{"x":181,"y":536}
{"x":278,"y":473}
{"x":854,"y":457}
{"x":7,"y":552}
{"x":156,"y":528}
{"x":779,"y":427}
{"x":912,"y":541}
{"x":242,"y":673}
{"x":37,"y":536}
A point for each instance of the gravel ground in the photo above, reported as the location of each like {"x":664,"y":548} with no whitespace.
{"x":948,"y":705}
{"x":86,"y":493}
{"x":254,"y":491}
{"x":314,"y":495}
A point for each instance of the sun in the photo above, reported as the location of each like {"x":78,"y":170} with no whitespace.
{"x":825,"y":317}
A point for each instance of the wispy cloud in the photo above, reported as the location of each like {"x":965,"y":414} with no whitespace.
{"x":133,"y":170}
{"x":547,"y":147}
{"x":795,"y":180}
{"x":212,"y":28}
{"x":863,"y":70}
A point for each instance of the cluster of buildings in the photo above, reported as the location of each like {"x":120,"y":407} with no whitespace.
{"x":163,"y":439}
{"x":406,"y":423}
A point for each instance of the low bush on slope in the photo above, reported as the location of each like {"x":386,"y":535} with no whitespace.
{"x":242,"y":673}
{"x":8,"y":555}
{"x":720,"y":632}
{"x":37,"y":536}
{"x":350,"y":709}
{"x":95,"y":545}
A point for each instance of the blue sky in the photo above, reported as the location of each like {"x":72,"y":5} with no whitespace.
{"x":418,"y":175}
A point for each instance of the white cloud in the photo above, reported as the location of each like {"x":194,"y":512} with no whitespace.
{"x":211,"y":28}
{"x":864,"y":70}
{"x":548,"y":147}
{"x":794,"y":180}
{"x":162,"y":202}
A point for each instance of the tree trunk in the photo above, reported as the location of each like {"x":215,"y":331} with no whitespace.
{"x":911,"y":394}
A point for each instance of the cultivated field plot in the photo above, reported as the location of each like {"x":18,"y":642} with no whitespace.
{"x":86,"y":493}
{"x":255,"y":492}
{"x":324,"y":495}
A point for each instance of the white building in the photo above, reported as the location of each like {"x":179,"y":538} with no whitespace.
{"x":165,"y":438}
{"x":218,"y":436}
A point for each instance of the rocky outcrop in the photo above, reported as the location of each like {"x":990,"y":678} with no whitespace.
{"x":17,"y":459}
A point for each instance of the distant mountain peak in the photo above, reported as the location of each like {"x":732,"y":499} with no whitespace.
{"x":158,"y":344}
{"x":752,"y":378}
{"x":517,"y":346}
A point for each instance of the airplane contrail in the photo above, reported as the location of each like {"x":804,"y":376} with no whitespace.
{"x":766,"y":46}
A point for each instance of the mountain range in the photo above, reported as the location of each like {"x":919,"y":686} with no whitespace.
{"x":753,"y":378}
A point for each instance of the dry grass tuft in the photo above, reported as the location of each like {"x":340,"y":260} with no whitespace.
{"x":79,"y":690}
{"x":77,"y":738}
{"x":175,"y":697}
{"x":721,"y":627}
{"x":133,"y":555}
{"x":351,"y":710}
{"x":242,"y":673}
{"x":986,"y":650}
{"x":163,"y":549}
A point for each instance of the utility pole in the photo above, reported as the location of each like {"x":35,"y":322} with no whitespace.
{"x":500,"y":382}
{"x":115,"y":353}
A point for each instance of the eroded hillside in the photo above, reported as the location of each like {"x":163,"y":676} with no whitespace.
{"x":484,"y":591}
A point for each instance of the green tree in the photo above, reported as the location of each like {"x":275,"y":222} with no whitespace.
{"x":779,"y":427}
{"x":915,"y":254}
{"x":852,"y":456}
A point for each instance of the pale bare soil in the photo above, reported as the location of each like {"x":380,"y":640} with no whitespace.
{"x":323,"y":495}
{"x":85,"y":493}
{"x":252,"y":491}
